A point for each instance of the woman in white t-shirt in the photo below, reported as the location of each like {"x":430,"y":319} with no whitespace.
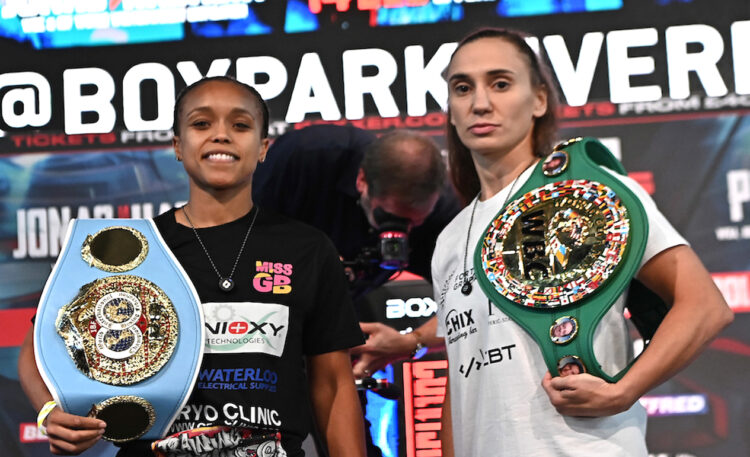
{"x":502,"y":400}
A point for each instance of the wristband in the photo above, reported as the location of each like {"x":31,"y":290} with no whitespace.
{"x":42,"y":416}
{"x":420,"y":350}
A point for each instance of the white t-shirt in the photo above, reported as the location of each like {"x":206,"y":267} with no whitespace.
{"x":498,"y":404}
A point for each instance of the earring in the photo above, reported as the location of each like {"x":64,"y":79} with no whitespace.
{"x":179,"y":159}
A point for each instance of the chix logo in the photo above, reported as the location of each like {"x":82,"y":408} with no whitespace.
{"x":272,"y":277}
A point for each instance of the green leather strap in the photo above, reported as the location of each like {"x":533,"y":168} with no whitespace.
{"x":536,"y":312}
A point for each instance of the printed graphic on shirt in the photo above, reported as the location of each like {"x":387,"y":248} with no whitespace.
{"x":459,"y":324}
{"x":237,"y":379}
{"x":444,"y":287}
{"x":195,"y":416}
{"x":495,"y":316}
{"x":485,"y":358}
{"x":220,"y":442}
{"x":247,"y":327}
{"x":273,"y":277}
{"x":461,"y":278}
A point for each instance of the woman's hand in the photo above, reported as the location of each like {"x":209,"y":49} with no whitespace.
{"x":585,"y":395}
{"x":69,"y":434}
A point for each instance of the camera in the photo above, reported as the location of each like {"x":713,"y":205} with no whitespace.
{"x":392,"y":239}
{"x":388,"y":253}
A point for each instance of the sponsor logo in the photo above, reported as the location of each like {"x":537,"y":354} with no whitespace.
{"x":273,"y":277}
{"x":735,"y":287}
{"x":246,"y":327}
{"x":220,"y":441}
{"x":424,"y":391}
{"x":444,"y":288}
{"x":738,"y":200}
{"x":494,"y":315}
{"x":396,"y":308}
{"x":459,"y":325}
{"x":237,"y":379}
{"x":29,"y":433}
{"x":461,"y":278}
{"x":675,"y":405}
{"x":27,"y":98}
{"x":486,"y":358}
{"x":195,"y":416}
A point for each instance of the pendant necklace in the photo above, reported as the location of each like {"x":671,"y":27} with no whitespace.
{"x":466,"y":287}
{"x":225,"y":284}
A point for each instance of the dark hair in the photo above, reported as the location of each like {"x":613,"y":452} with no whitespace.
{"x":181,"y":98}
{"x":463,"y":174}
{"x":404,"y":164}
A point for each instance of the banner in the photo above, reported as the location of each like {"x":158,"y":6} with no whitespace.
{"x":86,"y":95}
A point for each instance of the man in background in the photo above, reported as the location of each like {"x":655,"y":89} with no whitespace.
{"x":348,"y":184}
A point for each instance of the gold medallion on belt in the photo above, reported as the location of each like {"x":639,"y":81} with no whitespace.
{"x":556,"y":244}
{"x":119,"y":330}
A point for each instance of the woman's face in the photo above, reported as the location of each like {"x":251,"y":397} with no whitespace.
{"x":220,"y":142}
{"x":492,"y":102}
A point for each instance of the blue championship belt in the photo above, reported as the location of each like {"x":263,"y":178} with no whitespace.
{"x":119,"y":329}
{"x":561,"y":253}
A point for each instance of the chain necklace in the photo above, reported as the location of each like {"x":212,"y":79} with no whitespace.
{"x":466,"y":287}
{"x":225,"y":284}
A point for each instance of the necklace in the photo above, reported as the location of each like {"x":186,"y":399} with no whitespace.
{"x":225,"y":284}
{"x":466,"y":287}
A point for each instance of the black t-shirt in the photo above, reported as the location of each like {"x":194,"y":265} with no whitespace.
{"x":290,"y":300}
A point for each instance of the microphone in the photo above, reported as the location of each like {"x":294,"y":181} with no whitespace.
{"x":380,"y":386}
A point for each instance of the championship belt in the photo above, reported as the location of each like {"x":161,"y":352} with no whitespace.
{"x":559,"y":255}
{"x":119,"y":330}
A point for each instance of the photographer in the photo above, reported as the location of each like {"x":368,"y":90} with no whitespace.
{"x":339,"y":179}
{"x":365,"y":193}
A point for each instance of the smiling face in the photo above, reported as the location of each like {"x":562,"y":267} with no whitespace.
{"x":492,"y":101}
{"x":220,"y":141}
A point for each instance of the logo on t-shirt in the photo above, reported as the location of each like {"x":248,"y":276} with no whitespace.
{"x":246,"y":327}
{"x":274,"y":277}
{"x":220,"y":441}
{"x":459,"y":324}
{"x":486,"y":358}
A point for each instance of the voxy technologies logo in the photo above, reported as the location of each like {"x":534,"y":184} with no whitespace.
{"x":246,"y":327}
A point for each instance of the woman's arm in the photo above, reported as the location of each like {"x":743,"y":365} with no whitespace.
{"x":386,"y":345}
{"x":698,"y":313}
{"x":68,"y":434}
{"x":336,"y":405}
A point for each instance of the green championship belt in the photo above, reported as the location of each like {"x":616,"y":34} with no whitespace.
{"x":559,"y":255}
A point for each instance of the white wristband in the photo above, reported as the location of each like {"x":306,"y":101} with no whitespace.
{"x":42,"y":416}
